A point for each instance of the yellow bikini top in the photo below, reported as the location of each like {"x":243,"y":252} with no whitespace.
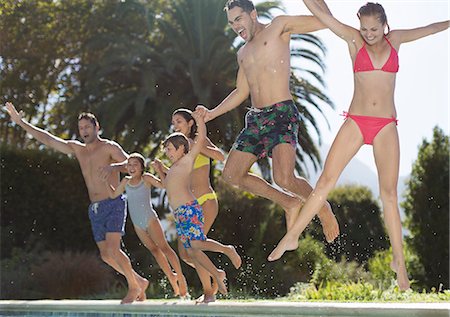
{"x":200,"y":161}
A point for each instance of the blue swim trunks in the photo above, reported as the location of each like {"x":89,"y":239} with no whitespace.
{"x":189,"y":223}
{"x":107,"y":216}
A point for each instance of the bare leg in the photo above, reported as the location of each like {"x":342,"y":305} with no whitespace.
{"x":236,"y":173}
{"x":387,"y":156}
{"x":210,"y":288}
{"x":210,"y":211}
{"x":214,"y":246}
{"x":283,"y":171}
{"x":160,"y":258}
{"x":203,"y":275}
{"x":112,"y":254}
{"x":157,"y":235}
{"x":345,"y":146}
{"x":200,"y":259}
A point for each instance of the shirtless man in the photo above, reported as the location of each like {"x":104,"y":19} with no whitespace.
{"x":107,"y":215}
{"x":272,"y":123}
{"x":187,"y":211}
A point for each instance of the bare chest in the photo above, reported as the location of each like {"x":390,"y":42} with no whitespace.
{"x":265,"y":54}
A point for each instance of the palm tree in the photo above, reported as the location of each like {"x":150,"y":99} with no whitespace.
{"x":200,"y":50}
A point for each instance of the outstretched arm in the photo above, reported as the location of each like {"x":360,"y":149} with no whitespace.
{"x":404,"y":36}
{"x":234,"y":99}
{"x":321,"y":11}
{"x":201,"y":134}
{"x":38,"y":133}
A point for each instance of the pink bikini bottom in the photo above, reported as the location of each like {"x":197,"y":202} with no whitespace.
{"x":369,"y":126}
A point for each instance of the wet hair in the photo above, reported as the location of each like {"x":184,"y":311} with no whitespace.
{"x":187,"y":115}
{"x":88,"y":116}
{"x":140,"y":158}
{"x":245,"y":5}
{"x":177,"y":139}
{"x":374,"y":9}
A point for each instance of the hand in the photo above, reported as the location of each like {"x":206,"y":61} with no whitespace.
{"x":156,"y":164}
{"x":15,"y":116}
{"x":104,"y":172}
{"x":199,"y":115}
{"x":207,"y":114}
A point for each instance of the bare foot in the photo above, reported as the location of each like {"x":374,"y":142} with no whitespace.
{"x":234,"y":256}
{"x":173,"y":278}
{"x":143,"y":283}
{"x":205,"y":299}
{"x":288,"y":243}
{"x":402,"y":276}
{"x":182,"y":286}
{"x":132,"y":295}
{"x":220,"y":278}
{"x":292,"y":211}
{"x":329,"y":223}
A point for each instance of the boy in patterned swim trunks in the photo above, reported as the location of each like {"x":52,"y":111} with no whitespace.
{"x":187,"y":211}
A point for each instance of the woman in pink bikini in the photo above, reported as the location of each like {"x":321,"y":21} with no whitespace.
{"x":371,"y":119}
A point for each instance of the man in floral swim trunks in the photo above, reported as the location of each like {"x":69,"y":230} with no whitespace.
{"x":267,"y":127}
{"x":272,"y":122}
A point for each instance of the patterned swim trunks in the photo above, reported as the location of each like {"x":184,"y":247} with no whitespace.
{"x":189,"y":223}
{"x":267,"y":127}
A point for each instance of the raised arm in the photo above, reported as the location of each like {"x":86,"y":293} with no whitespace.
{"x":39,"y":134}
{"x":233,"y":100}
{"x":160,"y":169}
{"x":201,"y":134}
{"x":321,"y":11}
{"x":404,"y":36}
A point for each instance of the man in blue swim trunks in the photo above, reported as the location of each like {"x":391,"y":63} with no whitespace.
{"x":107,"y":215}
{"x":272,"y":123}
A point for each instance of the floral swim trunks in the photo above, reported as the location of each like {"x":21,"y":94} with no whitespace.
{"x":189,"y":223}
{"x":267,"y":127}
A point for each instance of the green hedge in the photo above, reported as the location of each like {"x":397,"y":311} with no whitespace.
{"x":43,"y":198}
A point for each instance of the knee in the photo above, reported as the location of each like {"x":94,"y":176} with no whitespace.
{"x":184,"y":256}
{"x":326,"y":182}
{"x":389,"y":195}
{"x":284,"y":180}
{"x":107,"y":255}
{"x":195,"y":245}
{"x":230,"y":178}
{"x":152,"y":248}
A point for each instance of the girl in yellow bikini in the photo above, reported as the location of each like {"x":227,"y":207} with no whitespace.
{"x":201,"y":188}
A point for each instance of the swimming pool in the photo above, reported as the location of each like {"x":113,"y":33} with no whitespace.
{"x":173,"y":308}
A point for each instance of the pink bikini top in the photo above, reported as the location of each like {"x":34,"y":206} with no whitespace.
{"x":363,"y":63}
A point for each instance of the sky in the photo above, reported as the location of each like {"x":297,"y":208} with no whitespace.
{"x":422,"y":85}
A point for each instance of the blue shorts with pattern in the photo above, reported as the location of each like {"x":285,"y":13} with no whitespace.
{"x":107,"y":216}
{"x":189,"y":222}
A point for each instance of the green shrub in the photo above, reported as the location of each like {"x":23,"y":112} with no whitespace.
{"x":361,"y":291}
{"x":340,"y":272}
{"x":71,"y":275}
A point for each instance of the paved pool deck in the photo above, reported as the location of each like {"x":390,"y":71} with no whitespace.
{"x":219,"y":308}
